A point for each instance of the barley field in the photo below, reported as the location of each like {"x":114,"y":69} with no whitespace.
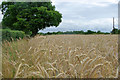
{"x":61,"y":56}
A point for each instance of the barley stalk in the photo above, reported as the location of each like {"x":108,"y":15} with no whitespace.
{"x":16,"y":75}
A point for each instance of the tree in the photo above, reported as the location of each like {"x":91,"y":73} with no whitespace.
{"x":114,"y":31}
{"x":0,"y":25}
{"x":30,"y":16}
{"x":90,"y":32}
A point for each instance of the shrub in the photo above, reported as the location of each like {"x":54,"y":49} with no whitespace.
{"x":8,"y":34}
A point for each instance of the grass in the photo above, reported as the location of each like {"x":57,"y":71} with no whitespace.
{"x":61,"y":56}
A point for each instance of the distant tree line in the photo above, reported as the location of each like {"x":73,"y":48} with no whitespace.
{"x":116,"y":31}
{"x":74,"y":32}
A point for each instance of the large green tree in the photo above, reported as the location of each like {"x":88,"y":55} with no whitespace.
{"x":30,"y":16}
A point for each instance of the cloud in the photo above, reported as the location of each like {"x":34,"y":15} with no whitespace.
{"x":101,"y":3}
{"x":86,"y":14}
{"x":102,"y":24}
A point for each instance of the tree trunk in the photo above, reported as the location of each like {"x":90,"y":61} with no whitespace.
{"x":34,"y":32}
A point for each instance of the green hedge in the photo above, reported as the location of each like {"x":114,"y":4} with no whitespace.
{"x":7,"y":34}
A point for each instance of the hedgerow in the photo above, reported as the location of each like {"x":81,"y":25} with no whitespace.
{"x":8,"y":34}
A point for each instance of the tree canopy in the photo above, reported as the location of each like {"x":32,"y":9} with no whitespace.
{"x":30,"y":16}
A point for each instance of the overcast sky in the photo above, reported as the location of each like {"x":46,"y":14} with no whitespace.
{"x":85,"y":15}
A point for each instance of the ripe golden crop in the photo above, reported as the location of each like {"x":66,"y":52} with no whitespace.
{"x":61,"y":56}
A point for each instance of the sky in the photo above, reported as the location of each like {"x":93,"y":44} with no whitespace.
{"x":85,"y":15}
